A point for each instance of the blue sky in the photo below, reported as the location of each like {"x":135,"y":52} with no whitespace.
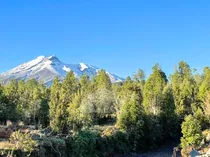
{"x":117,"y":35}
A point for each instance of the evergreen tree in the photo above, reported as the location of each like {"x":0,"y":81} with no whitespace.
{"x":53,"y":104}
{"x":74,"y":114}
{"x":103,"y":80}
{"x":191,"y":131}
{"x":168,"y":118}
{"x":43,"y":113}
{"x":131,"y":120}
{"x":205,"y":85}
{"x":11,"y":99}
{"x":184,"y":89}
{"x":168,"y":105}
{"x":6,"y":110}
{"x":68,"y":88}
{"x":22,"y":99}
{"x":84,"y":83}
{"x":11,"y":92}
{"x":130,"y":90}
{"x":153,"y":91}
{"x":139,"y":76}
{"x":207,"y":105}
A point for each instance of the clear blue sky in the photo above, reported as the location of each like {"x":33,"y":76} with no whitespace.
{"x":118,"y":35}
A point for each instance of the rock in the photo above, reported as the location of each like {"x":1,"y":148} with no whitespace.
{"x":194,"y":153}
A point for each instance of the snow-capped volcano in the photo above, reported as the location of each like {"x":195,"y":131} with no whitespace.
{"x":45,"y":69}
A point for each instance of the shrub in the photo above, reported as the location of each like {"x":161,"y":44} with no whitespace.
{"x":23,"y":142}
{"x":19,"y":144}
{"x":115,"y":141}
{"x":85,"y":143}
{"x":52,"y":146}
{"x":191,"y":130}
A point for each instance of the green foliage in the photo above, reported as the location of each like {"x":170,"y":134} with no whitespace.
{"x":153,"y":133}
{"x":23,"y":142}
{"x":6,"y":109}
{"x":184,"y":89}
{"x":98,"y":105}
{"x":9,"y":99}
{"x":129,"y":91}
{"x":69,"y":87}
{"x":191,"y":130}
{"x":131,"y":120}
{"x":149,"y":112}
{"x":168,"y":105}
{"x":11,"y":92}
{"x":43,"y":113}
{"x":139,"y":77}
{"x":153,"y":88}
{"x":85,"y":144}
{"x":75,"y":119}
{"x":205,"y":85}
{"x":115,"y":141}
{"x":103,"y":80}
{"x":52,"y":146}
{"x":53,"y":104}
{"x":85,"y":84}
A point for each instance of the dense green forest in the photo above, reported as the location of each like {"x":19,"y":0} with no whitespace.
{"x":98,"y":118}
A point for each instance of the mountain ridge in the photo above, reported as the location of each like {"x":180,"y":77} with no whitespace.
{"x":45,"y":69}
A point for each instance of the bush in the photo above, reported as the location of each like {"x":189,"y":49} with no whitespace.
{"x":85,"y":143}
{"x":52,"y":147}
{"x":23,"y":142}
{"x":91,"y":143}
{"x":115,"y":141}
{"x":191,"y":130}
{"x":19,"y":144}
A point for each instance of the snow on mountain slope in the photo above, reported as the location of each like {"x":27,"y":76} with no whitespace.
{"x":45,"y":69}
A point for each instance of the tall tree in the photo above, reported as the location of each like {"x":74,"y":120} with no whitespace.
{"x":85,"y":84}
{"x":11,"y":92}
{"x":184,"y":89}
{"x":139,"y":76}
{"x":68,"y":88}
{"x":131,"y":120}
{"x":103,"y":80}
{"x":34,"y":98}
{"x":75,"y":121}
{"x":153,"y":90}
{"x":205,"y":85}
{"x":54,"y":101}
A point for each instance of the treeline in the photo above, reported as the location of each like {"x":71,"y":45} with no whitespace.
{"x":145,"y":113}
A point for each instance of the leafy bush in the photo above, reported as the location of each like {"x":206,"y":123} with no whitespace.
{"x":191,"y":130}
{"x":85,"y":143}
{"x":90,"y":143}
{"x":19,"y":144}
{"x":52,"y":146}
{"x":115,"y":141}
{"x":23,"y":142}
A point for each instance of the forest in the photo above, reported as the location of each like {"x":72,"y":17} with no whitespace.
{"x":91,"y":117}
